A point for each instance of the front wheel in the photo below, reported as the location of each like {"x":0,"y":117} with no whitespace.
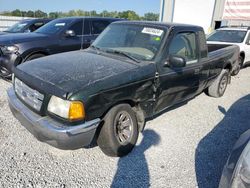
{"x":218,"y":88}
{"x":119,"y":133}
{"x":35,"y":56}
{"x":5,"y":73}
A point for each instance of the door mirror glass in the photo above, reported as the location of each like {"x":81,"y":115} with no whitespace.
{"x":27,"y":31}
{"x":70,"y":33}
{"x":176,"y":61}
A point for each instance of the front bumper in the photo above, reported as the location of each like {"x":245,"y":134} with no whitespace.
{"x":47,"y":130}
{"x":9,"y":61}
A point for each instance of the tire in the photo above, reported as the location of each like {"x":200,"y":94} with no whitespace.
{"x":240,"y":65}
{"x":5,"y":73}
{"x":34,"y":56}
{"x":218,"y":88}
{"x":112,"y":138}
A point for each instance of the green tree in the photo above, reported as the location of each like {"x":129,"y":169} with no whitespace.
{"x":16,"y":12}
{"x":6,"y":13}
{"x":151,"y":16}
{"x":30,"y":13}
{"x":129,"y":14}
{"x":40,"y":14}
{"x":54,"y":15}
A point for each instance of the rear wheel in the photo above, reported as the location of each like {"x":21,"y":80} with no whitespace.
{"x":218,"y":88}
{"x":239,"y":66}
{"x":119,"y":133}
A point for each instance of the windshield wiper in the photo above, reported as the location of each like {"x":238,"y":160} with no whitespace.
{"x":122,"y":53}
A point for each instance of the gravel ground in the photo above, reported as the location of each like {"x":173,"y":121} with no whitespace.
{"x":185,"y":147}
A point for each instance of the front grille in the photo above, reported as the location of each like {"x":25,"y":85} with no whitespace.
{"x":30,"y":96}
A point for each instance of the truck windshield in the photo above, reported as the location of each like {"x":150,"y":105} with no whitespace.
{"x":18,"y":27}
{"x":54,"y":26}
{"x":137,"y":41}
{"x":234,"y":36}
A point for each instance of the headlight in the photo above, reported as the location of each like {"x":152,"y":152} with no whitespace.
{"x":242,"y":172}
{"x":71,"y":110}
{"x":9,"y":49}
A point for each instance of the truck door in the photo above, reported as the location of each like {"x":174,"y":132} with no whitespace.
{"x":71,"y":43}
{"x":177,"y":84}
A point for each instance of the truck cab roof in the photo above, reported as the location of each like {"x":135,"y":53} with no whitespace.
{"x":160,"y":24}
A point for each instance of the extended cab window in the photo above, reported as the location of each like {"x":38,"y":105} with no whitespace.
{"x":99,"y":26}
{"x":184,"y":44}
{"x":77,"y":27}
{"x":35,"y":26}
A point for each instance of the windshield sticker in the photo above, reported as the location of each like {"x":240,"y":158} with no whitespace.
{"x":60,"y":24}
{"x":157,"y":38}
{"x":152,"y":31}
{"x":23,"y":24}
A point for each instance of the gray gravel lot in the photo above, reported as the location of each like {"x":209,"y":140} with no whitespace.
{"x":185,"y":147}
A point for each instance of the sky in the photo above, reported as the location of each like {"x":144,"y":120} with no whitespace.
{"x":139,"y":6}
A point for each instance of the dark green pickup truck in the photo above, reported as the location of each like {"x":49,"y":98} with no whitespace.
{"x":133,"y":71}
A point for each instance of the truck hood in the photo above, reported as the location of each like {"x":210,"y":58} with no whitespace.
{"x":67,"y":73}
{"x":16,"y":38}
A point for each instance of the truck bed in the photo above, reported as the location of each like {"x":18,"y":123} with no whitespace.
{"x":221,"y":52}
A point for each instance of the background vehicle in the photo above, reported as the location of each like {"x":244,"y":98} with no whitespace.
{"x":26,"y":26}
{"x":133,"y":71}
{"x":239,"y":36}
{"x":236,"y":172}
{"x":60,"y":35}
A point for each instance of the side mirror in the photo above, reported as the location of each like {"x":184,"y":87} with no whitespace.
{"x":70,"y":33}
{"x":27,"y":31}
{"x":175,"y":61}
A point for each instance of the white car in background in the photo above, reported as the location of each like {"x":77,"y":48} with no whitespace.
{"x":239,"y":36}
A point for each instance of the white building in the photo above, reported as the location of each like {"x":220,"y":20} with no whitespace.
{"x":209,"y":14}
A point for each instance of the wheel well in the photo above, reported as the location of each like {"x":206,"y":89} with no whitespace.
{"x":130,"y":102}
{"x":228,"y":66}
{"x":242,"y":54}
{"x":138,"y":112}
{"x":33,"y":53}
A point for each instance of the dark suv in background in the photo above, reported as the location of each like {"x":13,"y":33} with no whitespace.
{"x":26,"y":26}
{"x":60,"y":35}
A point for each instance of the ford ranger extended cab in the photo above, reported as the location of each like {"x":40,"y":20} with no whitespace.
{"x":133,"y":71}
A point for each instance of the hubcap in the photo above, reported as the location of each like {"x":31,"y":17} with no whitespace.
{"x":223,"y":84}
{"x":123,"y":127}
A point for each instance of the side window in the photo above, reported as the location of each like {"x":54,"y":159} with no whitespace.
{"x":35,"y":26}
{"x":77,"y":27}
{"x":184,"y":44}
{"x":99,"y":26}
{"x":86,"y":27}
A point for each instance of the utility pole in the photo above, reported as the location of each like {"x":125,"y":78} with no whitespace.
{"x":162,"y":10}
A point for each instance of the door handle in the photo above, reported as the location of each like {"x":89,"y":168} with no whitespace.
{"x":87,"y":40}
{"x":197,"y":71}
